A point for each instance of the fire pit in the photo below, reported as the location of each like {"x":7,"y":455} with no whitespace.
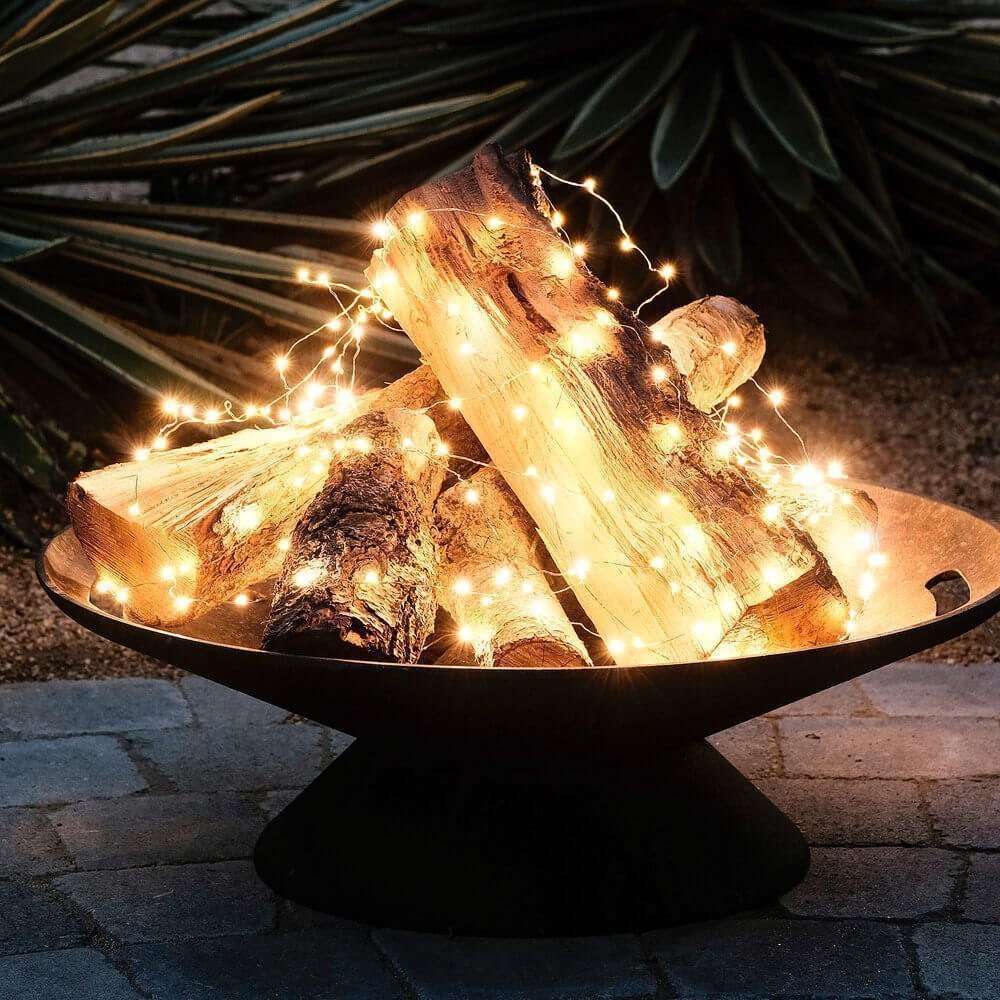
{"x":557,"y":801}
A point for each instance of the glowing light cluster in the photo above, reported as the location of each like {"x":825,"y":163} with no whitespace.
{"x":324,"y":376}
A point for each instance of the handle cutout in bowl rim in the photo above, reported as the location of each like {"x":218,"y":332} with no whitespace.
{"x":950,"y":589}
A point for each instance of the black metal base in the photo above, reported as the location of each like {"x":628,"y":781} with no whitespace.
{"x":390,"y":839}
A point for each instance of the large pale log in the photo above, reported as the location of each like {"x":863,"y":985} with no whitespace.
{"x":359,"y":578}
{"x":493,"y":580}
{"x":716,"y":342}
{"x":212,"y":519}
{"x":616,"y":467}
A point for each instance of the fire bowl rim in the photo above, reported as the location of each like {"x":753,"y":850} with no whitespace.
{"x":941,"y":627}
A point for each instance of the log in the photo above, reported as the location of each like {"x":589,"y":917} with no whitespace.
{"x":716,"y":342}
{"x":359,"y":578}
{"x":844,"y":527}
{"x":662,"y":538}
{"x":192,"y":500}
{"x":212,"y":519}
{"x":493,"y":580}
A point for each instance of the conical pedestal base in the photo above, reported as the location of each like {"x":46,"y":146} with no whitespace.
{"x":394,"y":840}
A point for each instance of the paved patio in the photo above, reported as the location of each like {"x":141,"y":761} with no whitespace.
{"x":129,"y":809}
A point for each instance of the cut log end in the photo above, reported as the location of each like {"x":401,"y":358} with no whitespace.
{"x":359,"y":577}
{"x":717,"y":342}
{"x":809,"y":611}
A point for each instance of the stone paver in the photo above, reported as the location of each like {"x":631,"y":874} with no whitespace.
{"x":783,"y":958}
{"x":841,"y":699}
{"x":982,"y":890}
{"x":751,"y":747}
{"x":215,"y":704}
{"x":33,"y":919}
{"x":866,"y":882}
{"x":330,"y":964}
{"x":274,"y":802}
{"x":842,"y":811}
{"x":66,"y":708}
{"x":959,"y":960}
{"x":235,"y":758}
{"x":127,"y":821}
{"x":935,"y":689}
{"x":177,"y":901}
{"x":440,"y":968}
{"x":160,"y":829}
{"x":73,"y":974}
{"x":834,"y":747}
{"x":28,"y":844}
{"x":967,"y":813}
{"x":40,"y":772}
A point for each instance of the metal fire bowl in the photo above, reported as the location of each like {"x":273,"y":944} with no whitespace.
{"x":589,"y":713}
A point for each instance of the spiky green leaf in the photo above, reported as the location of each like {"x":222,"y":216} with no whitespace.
{"x":685,"y":121}
{"x":781,"y":171}
{"x":21,"y":66}
{"x":25,"y":450}
{"x":815,"y":237}
{"x":857,"y":28}
{"x":14,"y":248}
{"x":104,"y":341}
{"x":781,"y":102}
{"x":717,"y":233}
{"x":628,"y":93}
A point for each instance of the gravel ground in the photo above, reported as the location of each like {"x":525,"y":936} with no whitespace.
{"x":931,"y":428}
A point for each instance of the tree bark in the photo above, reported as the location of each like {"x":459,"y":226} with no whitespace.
{"x":213,"y":517}
{"x":190,"y":498}
{"x":493,"y":580}
{"x":664,"y":540}
{"x":359,"y":578}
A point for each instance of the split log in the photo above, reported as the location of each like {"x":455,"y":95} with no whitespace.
{"x":493,"y":581}
{"x":716,"y":342}
{"x":212,"y":519}
{"x":359,"y":578}
{"x":197,"y":505}
{"x":813,"y":605}
{"x":616,"y":467}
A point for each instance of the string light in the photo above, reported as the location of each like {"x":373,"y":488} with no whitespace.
{"x":306,"y":576}
{"x":301,"y":397}
{"x":562,"y":265}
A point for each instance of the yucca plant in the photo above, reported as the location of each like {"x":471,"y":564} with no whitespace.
{"x":751,"y":138}
{"x":242,"y":140}
{"x":175,"y":283}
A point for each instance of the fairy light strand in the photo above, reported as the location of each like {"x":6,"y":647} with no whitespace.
{"x":306,"y":391}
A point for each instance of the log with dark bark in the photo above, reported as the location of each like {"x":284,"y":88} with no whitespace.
{"x":359,"y":578}
{"x":616,"y":466}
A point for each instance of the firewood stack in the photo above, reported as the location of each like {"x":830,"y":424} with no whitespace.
{"x":555,"y":483}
